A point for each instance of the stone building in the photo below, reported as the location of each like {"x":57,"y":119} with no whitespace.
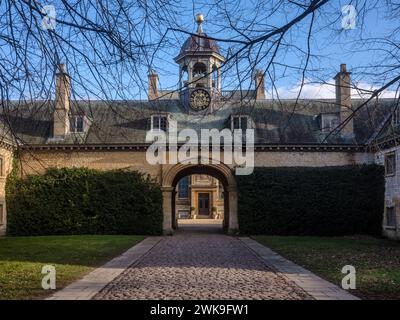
{"x":112,"y":134}
{"x":199,"y":196}
{"x":386,"y":144}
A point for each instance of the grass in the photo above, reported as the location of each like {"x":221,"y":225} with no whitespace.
{"x":377,"y":261}
{"x":22,"y":259}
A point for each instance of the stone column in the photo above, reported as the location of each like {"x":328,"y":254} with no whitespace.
{"x":190,"y":74}
{"x":219,"y":86}
{"x":167,"y":210}
{"x":233,"y":211}
{"x":210,"y":74}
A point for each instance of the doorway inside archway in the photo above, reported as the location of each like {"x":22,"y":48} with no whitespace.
{"x":199,"y":203}
{"x":200,"y":199}
{"x":226,"y":179}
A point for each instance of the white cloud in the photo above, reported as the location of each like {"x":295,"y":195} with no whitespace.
{"x":314,"y":90}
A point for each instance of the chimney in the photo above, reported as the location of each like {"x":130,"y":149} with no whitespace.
{"x":153,"y":85}
{"x":260,"y":86}
{"x":343,"y":99}
{"x":63,"y":95}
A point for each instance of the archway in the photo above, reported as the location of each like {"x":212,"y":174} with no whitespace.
{"x":218,"y":171}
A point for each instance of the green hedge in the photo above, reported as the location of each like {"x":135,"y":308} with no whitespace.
{"x":312,"y":201}
{"x":83,"y":201}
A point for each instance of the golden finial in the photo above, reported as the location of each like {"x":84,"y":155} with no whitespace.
{"x":199,"y":18}
{"x":199,"y":21}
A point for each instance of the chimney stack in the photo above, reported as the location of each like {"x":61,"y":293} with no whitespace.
{"x":260,"y":86}
{"x":62,"y":107}
{"x":153,"y":85}
{"x":343,"y":100}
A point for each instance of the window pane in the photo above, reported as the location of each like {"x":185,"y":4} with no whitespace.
{"x":79,"y":124}
{"x":236,"y":124}
{"x":156,"y":122}
{"x":163,"y":123}
{"x":72,"y":124}
{"x":391,"y":216}
{"x":390,"y":164}
{"x":243,"y":123}
{"x":183,"y":188}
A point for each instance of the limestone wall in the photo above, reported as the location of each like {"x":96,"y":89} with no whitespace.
{"x":392,"y":192}
{"x":38,"y":161}
{"x":6,"y":166}
{"x":34,"y":162}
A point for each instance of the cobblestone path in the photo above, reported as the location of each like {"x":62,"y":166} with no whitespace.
{"x":200,"y":266}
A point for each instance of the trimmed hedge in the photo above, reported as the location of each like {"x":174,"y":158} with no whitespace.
{"x":83,"y":201}
{"x":312,"y":201}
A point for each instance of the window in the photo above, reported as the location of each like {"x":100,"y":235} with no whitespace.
{"x":333,"y":124}
{"x":199,"y":69}
{"x":390,"y":217}
{"x":183,"y":188}
{"x":2,"y":220}
{"x":239,"y":122}
{"x":215,"y":82}
{"x":76,"y":124}
{"x":159,"y":123}
{"x":396,"y":117}
{"x":390,"y":164}
{"x":329,"y":121}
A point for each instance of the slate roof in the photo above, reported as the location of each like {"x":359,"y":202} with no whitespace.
{"x":120,"y":122}
{"x":199,"y":43}
{"x":388,"y":133}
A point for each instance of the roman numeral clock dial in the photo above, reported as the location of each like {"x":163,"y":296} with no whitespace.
{"x":200,"y":99}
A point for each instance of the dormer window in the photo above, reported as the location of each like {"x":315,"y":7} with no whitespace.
{"x":77,"y":124}
{"x":159,"y":123}
{"x":328,"y":122}
{"x":239,"y":123}
{"x":333,"y":124}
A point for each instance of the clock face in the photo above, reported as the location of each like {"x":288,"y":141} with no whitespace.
{"x":199,"y":99}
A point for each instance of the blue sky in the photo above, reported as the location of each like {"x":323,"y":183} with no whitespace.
{"x":332,"y":45}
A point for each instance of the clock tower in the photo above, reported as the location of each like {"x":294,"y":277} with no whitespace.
{"x":200,"y":71}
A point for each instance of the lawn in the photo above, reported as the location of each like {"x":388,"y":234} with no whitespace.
{"x":22,"y":258}
{"x":377,"y":261}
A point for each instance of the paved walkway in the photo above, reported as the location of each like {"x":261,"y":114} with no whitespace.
{"x":192,"y":265}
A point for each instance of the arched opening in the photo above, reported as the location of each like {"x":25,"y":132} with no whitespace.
{"x":199,"y":203}
{"x":184,"y":77}
{"x":219,"y":172}
{"x":215,"y":80}
{"x":199,"y":69}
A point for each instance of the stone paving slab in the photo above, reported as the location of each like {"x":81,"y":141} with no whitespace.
{"x":87,"y":287}
{"x":315,"y":286}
